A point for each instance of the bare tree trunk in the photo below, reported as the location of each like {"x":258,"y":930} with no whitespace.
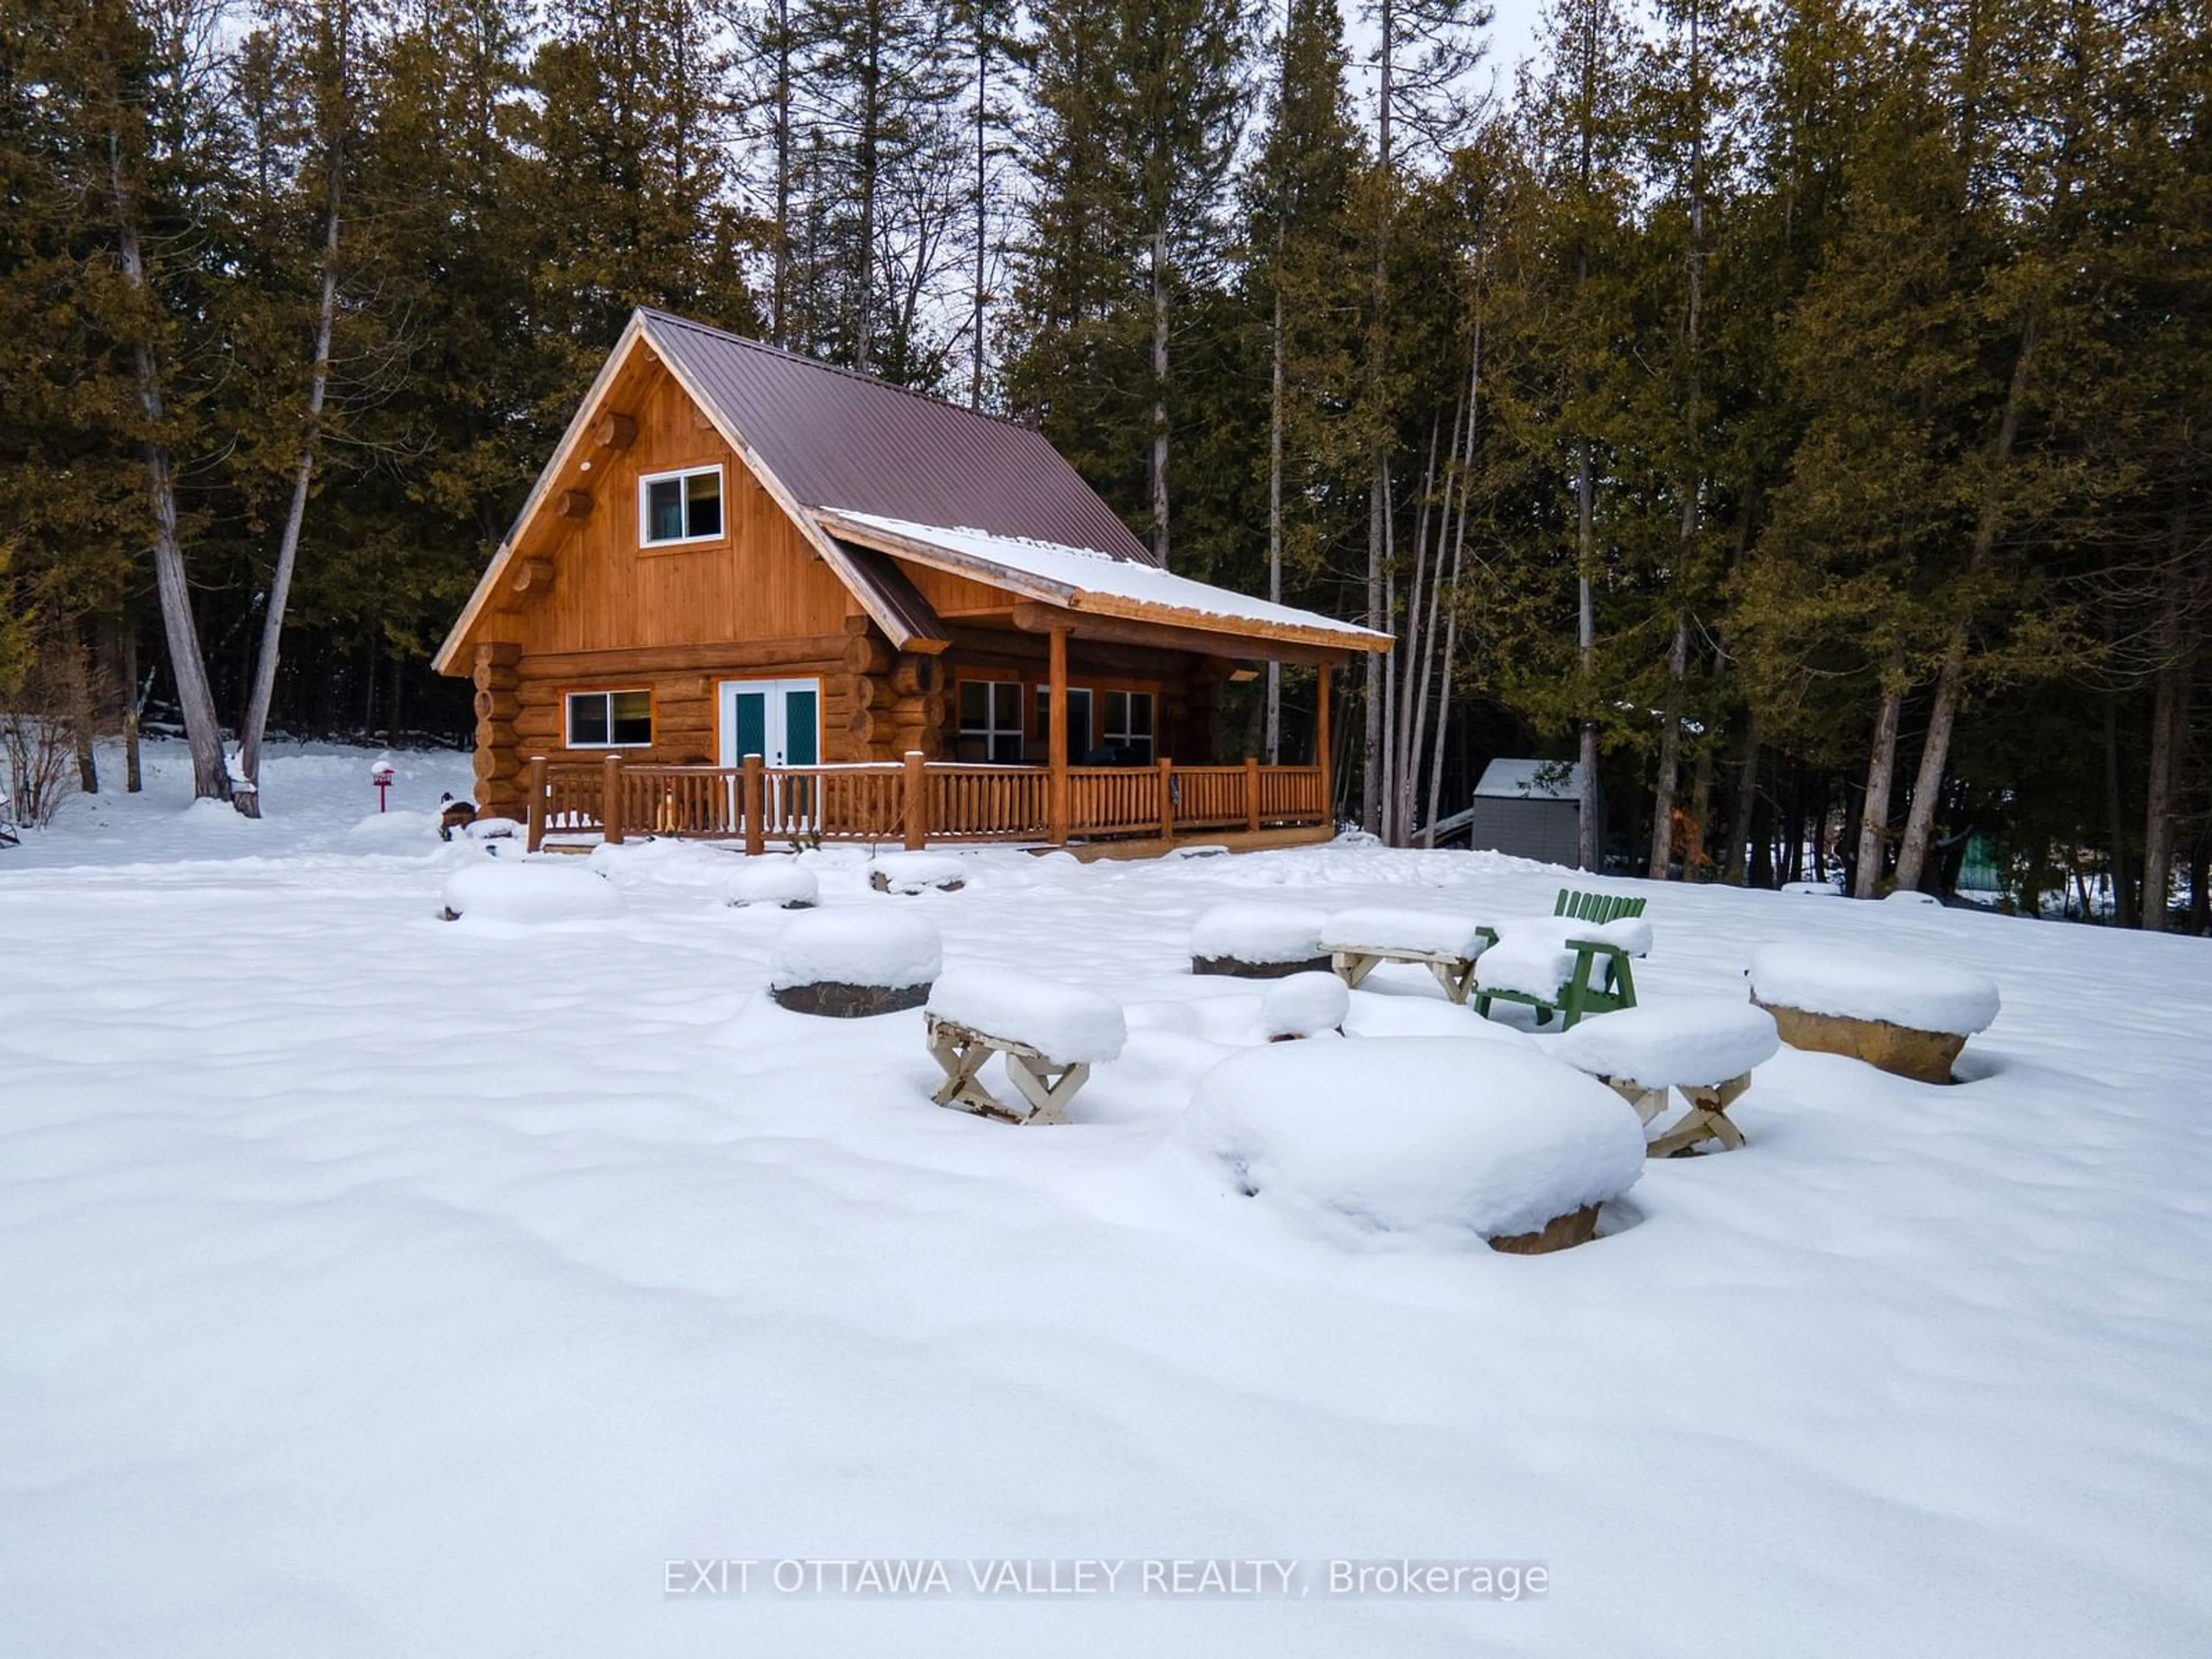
{"x":134,"y":708}
{"x":1587,"y":847}
{"x":194,"y":699}
{"x":1371,"y":759}
{"x":1160,"y":395}
{"x":1274,"y":734}
{"x":1950,"y":678}
{"x":983,"y":226}
{"x":2116,"y":827}
{"x":1370,"y":755}
{"x":1881,"y":770}
{"x":1670,"y":754}
{"x":1413,"y":697}
{"x":1678,"y":653}
{"x":247,"y":797}
{"x":2169,"y":728}
{"x":1747,"y":790}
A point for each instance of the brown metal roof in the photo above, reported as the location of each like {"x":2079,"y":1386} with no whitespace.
{"x":838,"y":439}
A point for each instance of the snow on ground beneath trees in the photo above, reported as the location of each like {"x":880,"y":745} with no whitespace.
{"x":371,"y":1285}
{"x":1884,"y":984}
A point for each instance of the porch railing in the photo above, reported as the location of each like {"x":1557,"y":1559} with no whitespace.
{"x":913,"y":802}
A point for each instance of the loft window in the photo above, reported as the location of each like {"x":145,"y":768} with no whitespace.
{"x":679,"y":507}
{"x":1130,"y":725}
{"x":610,"y":720}
{"x":991,"y":721}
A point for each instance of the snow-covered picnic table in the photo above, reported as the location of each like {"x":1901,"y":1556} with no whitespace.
{"x":1706,"y":1046}
{"x":1051,"y":1036}
{"x":1446,"y":942}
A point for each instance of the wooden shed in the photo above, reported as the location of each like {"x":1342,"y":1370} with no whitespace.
{"x":1531,"y":808}
{"x":756,"y":597}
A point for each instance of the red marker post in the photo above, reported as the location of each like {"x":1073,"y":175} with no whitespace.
{"x":381,"y":775}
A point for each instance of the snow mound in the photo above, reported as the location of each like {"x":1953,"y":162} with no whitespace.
{"x":1811,"y":889}
{"x":1258,"y":932}
{"x":516,"y":890}
{"x":1532,"y":954}
{"x":1439,"y":932}
{"x":1306,"y":1005}
{"x":859,"y":946}
{"x":776,"y":880}
{"x":1858,"y":983}
{"x":1914,"y":897}
{"x":914,"y":872}
{"x":398,"y":824}
{"x":1686,"y":1042}
{"x":1439,"y":1141}
{"x":1065,"y":1022}
{"x":493,"y":829}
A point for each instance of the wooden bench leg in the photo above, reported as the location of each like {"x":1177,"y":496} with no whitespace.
{"x":1648,"y":1103}
{"x":1352,"y":966}
{"x":1048,"y":1095}
{"x":961,"y":1062}
{"x":1708,"y":1120}
{"x":1455,"y":977}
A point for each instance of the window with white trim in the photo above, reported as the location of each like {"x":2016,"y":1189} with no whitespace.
{"x":610,"y":720}
{"x":1079,"y":720}
{"x":1129,"y":724}
{"x":679,"y":507}
{"x":991,"y":721}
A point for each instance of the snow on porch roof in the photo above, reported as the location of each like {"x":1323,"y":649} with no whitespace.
{"x":1530,"y":779}
{"x":1082,"y":579}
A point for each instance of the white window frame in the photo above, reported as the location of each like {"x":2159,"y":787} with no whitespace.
{"x":1124,"y":738}
{"x":609,"y":694}
{"x":644,"y":483}
{"x":991,"y":731}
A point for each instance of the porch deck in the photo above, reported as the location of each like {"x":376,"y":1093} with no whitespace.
{"x":917,"y":803}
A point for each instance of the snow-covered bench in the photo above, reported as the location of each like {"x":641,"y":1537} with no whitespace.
{"x":852,"y":964}
{"x":1258,"y":941}
{"x":1436,"y":1141}
{"x":1573,"y":963}
{"x":1706,"y":1046}
{"x":1898,"y":1013}
{"x":1051,"y":1034}
{"x":913,"y":873}
{"x":1359,"y":941}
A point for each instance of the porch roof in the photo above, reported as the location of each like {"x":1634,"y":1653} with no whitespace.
{"x":1082,"y":580}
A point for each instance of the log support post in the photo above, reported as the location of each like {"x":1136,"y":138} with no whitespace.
{"x":1056,"y":803}
{"x":610,"y":801}
{"x":1324,"y":756}
{"x":534,"y":808}
{"x":755,"y":804}
{"x":914,"y":802}
{"x":1252,"y":794}
{"x":1166,"y":801}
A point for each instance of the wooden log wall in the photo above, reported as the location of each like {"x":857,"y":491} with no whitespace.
{"x":499,"y":762}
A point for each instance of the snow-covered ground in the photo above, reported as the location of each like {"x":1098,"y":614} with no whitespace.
{"x":372,"y":1285}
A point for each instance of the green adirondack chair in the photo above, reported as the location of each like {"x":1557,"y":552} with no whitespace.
{"x":1601,"y":981}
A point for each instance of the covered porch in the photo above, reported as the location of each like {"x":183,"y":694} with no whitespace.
{"x":917,"y":802}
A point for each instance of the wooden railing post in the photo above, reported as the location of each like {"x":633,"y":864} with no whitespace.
{"x":610,"y":801}
{"x":915,"y":803}
{"x":754,"y":802}
{"x":1252,"y":792}
{"x":1166,"y":801}
{"x":534,"y":812}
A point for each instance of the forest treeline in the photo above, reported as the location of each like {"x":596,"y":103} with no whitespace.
{"x":1798,"y":411}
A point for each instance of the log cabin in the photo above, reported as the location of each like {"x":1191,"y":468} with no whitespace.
{"x":759,"y":598}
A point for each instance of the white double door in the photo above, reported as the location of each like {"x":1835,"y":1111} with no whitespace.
{"x":780,"y":721}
